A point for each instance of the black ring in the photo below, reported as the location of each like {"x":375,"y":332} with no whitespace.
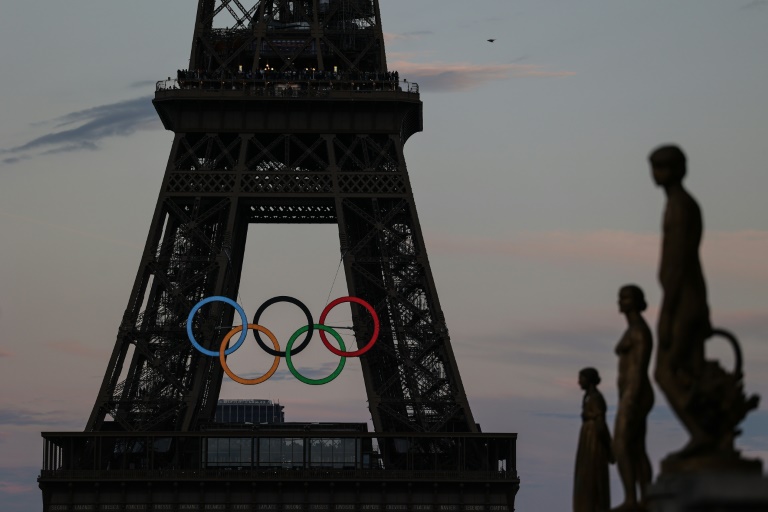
{"x":307,"y":336}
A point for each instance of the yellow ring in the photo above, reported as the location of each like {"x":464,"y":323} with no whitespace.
{"x":223,"y":358}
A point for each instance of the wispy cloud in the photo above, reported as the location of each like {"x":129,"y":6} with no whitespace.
{"x":755,"y":4}
{"x":738,"y":254}
{"x":144,"y":84}
{"x":68,"y":229}
{"x":17,"y":480}
{"x":76,"y":348}
{"x":547,"y":352}
{"x":83,"y":145}
{"x":332,"y":411}
{"x":18,"y":416}
{"x":317,"y":372}
{"x":5,"y":353}
{"x":18,"y":491}
{"x":546,"y":357}
{"x":442,"y":76}
{"x":13,"y":159}
{"x":753,"y":323}
{"x":481,"y":21}
{"x":15,"y":487}
{"x":393,"y":38}
{"x":84,"y":129}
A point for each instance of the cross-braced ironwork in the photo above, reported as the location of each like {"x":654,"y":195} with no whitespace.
{"x":288,"y":35}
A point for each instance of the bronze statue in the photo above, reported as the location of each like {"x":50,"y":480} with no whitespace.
{"x":635,"y":400}
{"x":708,"y":400}
{"x":591,"y":489}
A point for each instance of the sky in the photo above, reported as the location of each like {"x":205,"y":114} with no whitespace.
{"x":531,"y":183}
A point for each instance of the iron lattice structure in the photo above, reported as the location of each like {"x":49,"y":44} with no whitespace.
{"x":289,"y":35}
{"x":288,"y":115}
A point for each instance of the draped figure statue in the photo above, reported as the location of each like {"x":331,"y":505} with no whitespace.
{"x":591,"y":488}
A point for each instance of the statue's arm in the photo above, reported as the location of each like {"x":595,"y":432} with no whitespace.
{"x":672,"y":267}
{"x":632,"y":383}
{"x":674,"y":253}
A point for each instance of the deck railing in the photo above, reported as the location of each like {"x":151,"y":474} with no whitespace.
{"x":277,"y":455}
{"x":286,"y":87}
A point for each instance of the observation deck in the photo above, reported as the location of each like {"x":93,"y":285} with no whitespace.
{"x":290,"y":103}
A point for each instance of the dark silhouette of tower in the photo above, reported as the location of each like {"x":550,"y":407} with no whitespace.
{"x":286,"y":113}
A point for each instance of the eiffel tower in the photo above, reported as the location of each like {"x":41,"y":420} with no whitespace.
{"x":287,"y":113}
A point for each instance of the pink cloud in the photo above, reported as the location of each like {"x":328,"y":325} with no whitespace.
{"x":736,"y":254}
{"x":15,"y":488}
{"x":77,"y":348}
{"x":751,"y":318}
{"x":310,"y":410}
{"x":5,"y":353}
{"x":393,"y":38}
{"x":442,"y":76}
{"x":67,"y":229}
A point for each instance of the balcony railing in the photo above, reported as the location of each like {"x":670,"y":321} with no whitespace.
{"x":278,"y":455}
{"x":287,"y":87}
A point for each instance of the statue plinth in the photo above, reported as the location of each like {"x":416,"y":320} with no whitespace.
{"x":722,"y":490}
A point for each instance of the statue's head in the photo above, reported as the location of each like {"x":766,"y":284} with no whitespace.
{"x":588,"y":377}
{"x":667,"y":165}
{"x":631,"y":298}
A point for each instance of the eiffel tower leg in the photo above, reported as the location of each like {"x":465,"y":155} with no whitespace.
{"x":411,"y":376}
{"x":194,"y":250}
{"x":411,"y":380}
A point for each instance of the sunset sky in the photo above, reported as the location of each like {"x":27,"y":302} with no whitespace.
{"x":531,"y":182}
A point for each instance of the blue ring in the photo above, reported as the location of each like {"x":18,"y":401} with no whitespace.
{"x":215,"y":298}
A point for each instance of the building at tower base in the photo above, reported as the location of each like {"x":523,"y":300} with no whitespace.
{"x":289,"y":467}
{"x":240,"y":410}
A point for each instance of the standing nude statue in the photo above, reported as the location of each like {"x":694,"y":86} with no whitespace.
{"x":708,"y":400}
{"x":684,"y":315}
{"x":591,"y":488}
{"x":635,"y":400}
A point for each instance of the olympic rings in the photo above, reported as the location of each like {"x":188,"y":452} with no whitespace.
{"x":289,"y":352}
{"x":216,"y":298}
{"x":283,"y":298}
{"x":374,"y":336}
{"x":223,"y":359}
{"x":296,"y":373}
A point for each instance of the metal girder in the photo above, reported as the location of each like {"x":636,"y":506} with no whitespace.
{"x":233,"y":36}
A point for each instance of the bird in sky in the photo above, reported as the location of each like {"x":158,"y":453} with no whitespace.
{"x":491,"y":40}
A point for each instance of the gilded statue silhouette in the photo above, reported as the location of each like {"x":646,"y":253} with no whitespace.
{"x":709,"y":401}
{"x":635,"y":400}
{"x":591,"y":488}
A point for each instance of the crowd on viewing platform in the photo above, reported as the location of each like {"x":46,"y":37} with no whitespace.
{"x":307,"y":82}
{"x":268,"y":73}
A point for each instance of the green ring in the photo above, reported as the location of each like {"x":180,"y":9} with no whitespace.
{"x":295,"y":372}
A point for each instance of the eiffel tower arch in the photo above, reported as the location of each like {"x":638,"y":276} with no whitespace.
{"x":286,"y":113}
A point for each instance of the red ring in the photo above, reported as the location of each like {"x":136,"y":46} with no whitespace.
{"x":374,"y":337}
